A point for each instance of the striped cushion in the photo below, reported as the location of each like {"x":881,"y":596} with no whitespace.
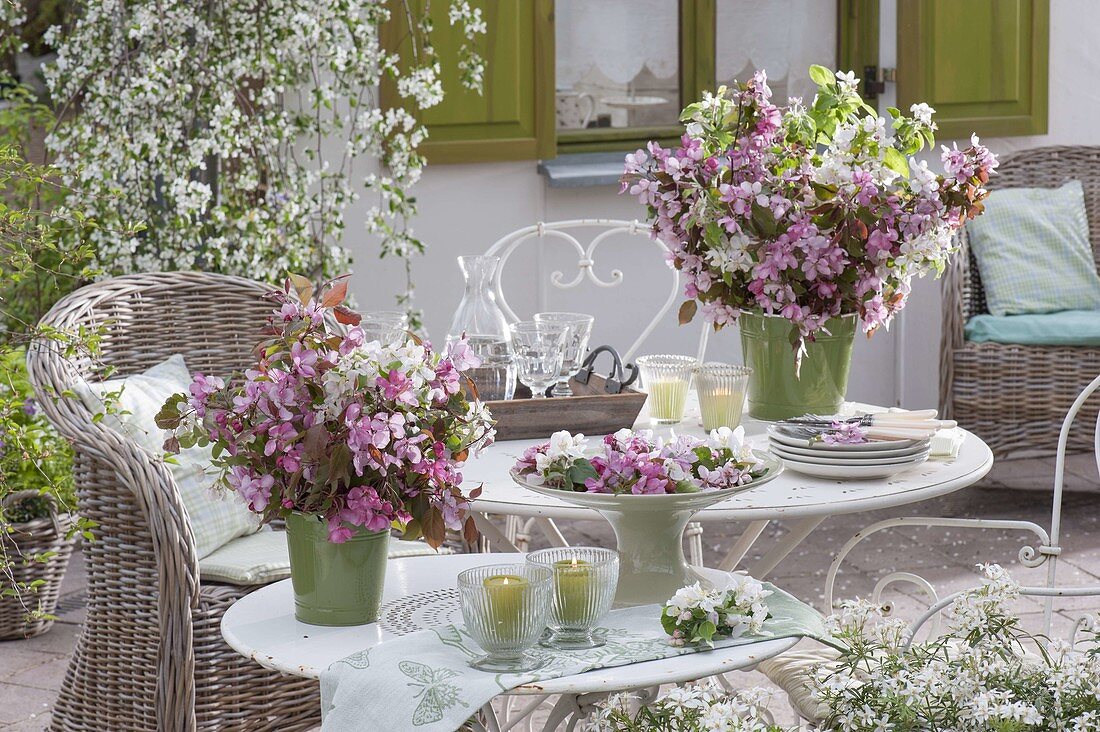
{"x":1033,"y":251}
{"x":262,"y":558}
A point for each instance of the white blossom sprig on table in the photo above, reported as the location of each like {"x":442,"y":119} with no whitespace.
{"x":697,"y":614}
{"x":641,"y":464}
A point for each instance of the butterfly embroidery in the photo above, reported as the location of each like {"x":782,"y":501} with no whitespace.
{"x":435,"y":693}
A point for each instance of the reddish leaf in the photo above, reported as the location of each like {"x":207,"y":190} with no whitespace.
{"x":469,"y":531}
{"x":336,"y":295}
{"x":687,"y":311}
{"x":476,"y":493}
{"x":461,"y":455}
{"x":435,"y":531}
{"x":346,"y":316}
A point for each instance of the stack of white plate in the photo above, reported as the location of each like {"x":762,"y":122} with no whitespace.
{"x":866,"y":460}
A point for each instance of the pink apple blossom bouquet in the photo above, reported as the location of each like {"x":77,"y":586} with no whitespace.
{"x":364,"y":434}
{"x":806,"y":212}
{"x":639,"y":463}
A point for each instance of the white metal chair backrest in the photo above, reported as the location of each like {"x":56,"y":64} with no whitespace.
{"x":560,"y":230}
{"x":1045,"y":551}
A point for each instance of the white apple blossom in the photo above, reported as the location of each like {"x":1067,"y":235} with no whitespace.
{"x":233,"y":130}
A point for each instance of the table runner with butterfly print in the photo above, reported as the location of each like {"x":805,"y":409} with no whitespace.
{"x":422,"y":681}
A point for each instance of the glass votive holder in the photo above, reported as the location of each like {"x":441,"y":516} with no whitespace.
{"x":505,"y":607}
{"x":585,"y":579}
{"x":721,"y":388}
{"x":666,"y":378}
{"x":388,"y":327}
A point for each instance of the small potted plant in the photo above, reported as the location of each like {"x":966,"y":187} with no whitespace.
{"x":802,"y":223}
{"x":37,"y":532}
{"x":343,"y":438}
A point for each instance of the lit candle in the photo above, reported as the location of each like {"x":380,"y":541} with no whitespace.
{"x":721,"y":408}
{"x":574,"y":589}
{"x":505,"y":593}
{"x":666,"y":399}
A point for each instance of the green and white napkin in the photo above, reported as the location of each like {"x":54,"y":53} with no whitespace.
{"x":422,"y":681}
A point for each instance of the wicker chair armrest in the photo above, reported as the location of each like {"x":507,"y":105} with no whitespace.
{"x":955,"y":311}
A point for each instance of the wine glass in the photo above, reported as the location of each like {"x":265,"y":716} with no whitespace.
{"x":538,"y":349}
{"x":576,"y":346}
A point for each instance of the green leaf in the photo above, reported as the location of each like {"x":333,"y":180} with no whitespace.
{"x":580,"y":471}
{"x":896,"y":162}
{"x":821,"y":75}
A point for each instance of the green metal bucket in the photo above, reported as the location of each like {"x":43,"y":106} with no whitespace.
{"x":776,"y":390}
{"x":335,"y":584}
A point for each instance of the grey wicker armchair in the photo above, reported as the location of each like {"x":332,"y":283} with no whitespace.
{"x":1015,"y":397}
{"x":150,"y":655}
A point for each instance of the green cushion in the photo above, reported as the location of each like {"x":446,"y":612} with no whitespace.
{"x":1033,"y":251}
{"x":1069,"y":328}
{"x":216,"y":516}
{"x":262,"y":558}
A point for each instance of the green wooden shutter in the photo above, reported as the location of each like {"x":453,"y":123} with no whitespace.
{"x":514,"y":117}
{"x":981,"y":63}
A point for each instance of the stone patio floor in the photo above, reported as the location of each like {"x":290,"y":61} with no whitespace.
{"x":31,"y":670}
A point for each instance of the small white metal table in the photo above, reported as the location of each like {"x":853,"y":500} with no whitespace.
{"x":800,"y":500}
{"x":420,"y":593}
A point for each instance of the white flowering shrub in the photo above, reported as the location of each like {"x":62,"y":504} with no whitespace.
{"x":704,"y":707}
{"x":232,"y":129}
{"x":985,"y":673}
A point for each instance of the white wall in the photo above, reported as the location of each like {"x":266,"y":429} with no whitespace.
{"x":465,"y":208}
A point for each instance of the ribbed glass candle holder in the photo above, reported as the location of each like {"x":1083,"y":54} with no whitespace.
{"x":505,"y":607}
{"x":721,"y":389}
{"x":585,"y":579}
{"x":666,"y":378}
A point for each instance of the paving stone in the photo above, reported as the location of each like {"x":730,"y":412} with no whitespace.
{"x":48,"y":675}
{"x":19,"y":703}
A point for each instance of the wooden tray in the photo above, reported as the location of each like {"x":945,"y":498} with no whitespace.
{"x":590,"y":410}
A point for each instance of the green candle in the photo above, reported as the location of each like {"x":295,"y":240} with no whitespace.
{"x":505,"y":593}
{"x":666,"y":399}
{"x":721,"y":408}
{"x":574,"y":589}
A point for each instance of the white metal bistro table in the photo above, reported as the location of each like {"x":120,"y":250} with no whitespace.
{"x":420,"y":593}
{"x":803,"y":501}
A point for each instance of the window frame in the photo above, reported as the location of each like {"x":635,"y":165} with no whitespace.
{"x":697,"y":44}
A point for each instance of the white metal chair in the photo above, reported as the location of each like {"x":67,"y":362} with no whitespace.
{"x":1044,"y":551}
{"x":597,"y":232}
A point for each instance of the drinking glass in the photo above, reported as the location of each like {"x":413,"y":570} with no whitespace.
{"x":576,"y":346}
{"x":389,"y":327}
{"x":585,"y":579}
{"x":538,"y":349}
{"x":666,"y":379}
{"x":505,"y":607}
{"x":721,"y":389}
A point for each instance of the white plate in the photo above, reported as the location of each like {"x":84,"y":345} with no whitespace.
{"x":848,"y":454}
{"x":849,"y":472}
{"x":788,"y":458}
{"x":776,"y":433}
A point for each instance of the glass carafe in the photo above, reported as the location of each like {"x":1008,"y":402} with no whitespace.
{"x":486,"y":328}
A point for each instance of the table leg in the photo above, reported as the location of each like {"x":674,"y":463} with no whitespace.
{"x":694,"y":536}
{"x":551,"y":532}
{"x":799,"y":531}
{"x":564,"y":708}
{"x":738,"y":551}
{"x":490,"y":532}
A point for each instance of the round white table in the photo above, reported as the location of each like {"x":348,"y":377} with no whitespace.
{"x":801,"y":500}
{"x":420,"y":593}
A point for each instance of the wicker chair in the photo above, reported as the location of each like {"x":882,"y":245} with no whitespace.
{"x":1015,"y":397}
{"x":150,"y":655}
